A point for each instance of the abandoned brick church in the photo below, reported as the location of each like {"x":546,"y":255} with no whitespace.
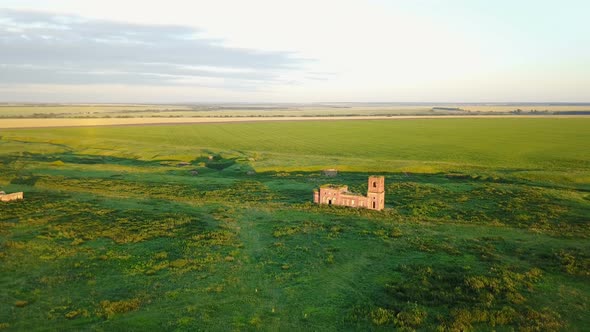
{"x":4,"y":197}
{"x":339,"y":195}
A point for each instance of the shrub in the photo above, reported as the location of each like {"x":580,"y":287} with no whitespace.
{"x":108,"y":309}
{"x":330,"y":259}
{"x":161,"y":255}
{"x":412,"y":317}
{"x":75,"y":313}
{"x":573,"y":262}
{"x":179,"y":263}
{"x":21,"y":303}
{"x":496,"y":297}
{"x":76,"y":242}
{"x":382,"y":316}
{"x":256,"y":321}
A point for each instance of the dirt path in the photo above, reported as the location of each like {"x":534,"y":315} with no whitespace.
{"x":92,"y":122}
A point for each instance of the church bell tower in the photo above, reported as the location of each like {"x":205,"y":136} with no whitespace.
{"x":376,"y":193}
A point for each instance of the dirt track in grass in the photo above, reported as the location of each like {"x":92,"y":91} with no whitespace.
{"x":59,"y":123}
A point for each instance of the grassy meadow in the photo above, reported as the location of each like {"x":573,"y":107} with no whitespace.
{"x":211,"y":227}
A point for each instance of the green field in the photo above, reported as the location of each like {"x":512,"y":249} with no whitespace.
{"x":210,"y":227}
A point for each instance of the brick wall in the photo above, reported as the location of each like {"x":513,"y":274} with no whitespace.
{"x":11,"y":197}
{"x":339,"y":195}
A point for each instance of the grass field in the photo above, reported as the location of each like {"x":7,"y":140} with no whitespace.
{"x":486,"y":227}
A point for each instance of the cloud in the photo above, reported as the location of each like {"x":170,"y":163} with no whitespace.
{"x":48,"y":48}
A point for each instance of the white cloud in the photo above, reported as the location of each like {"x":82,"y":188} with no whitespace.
{"x":367,"y":50}
{"x":92,"y":51}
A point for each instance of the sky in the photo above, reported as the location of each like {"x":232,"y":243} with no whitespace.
{"x":180,"y":51}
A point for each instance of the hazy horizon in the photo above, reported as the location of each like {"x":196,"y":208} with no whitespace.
{"x":318,"y":103}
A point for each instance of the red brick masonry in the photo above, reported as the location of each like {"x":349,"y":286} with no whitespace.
{"x":339,"y":195}
{"x":10,"y":197}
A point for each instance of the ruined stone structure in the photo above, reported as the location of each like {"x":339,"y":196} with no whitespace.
{"x":4,"y":197}
{"x":339,"y":195}
{"x":330,"y":172}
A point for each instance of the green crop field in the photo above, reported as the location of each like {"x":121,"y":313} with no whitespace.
{"x":211,"y":227}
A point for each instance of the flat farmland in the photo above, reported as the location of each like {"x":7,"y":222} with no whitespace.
{"x":137,"y":111}
{"x":210,"y":226}
{"x":81,"y":110}
{"x":511,"y":145}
